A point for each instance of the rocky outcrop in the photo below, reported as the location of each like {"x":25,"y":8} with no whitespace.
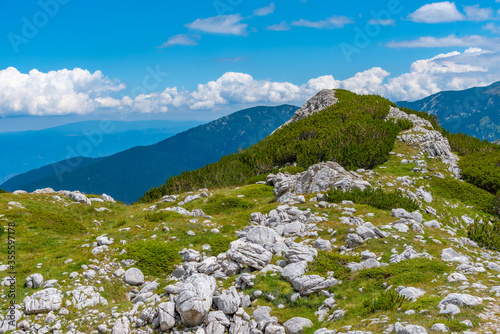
{"x":195,"y":298}
{"x":249,"y":254}
{"x":322,"y":100}
{"x":424,"y":137}
{"x":318,"y":178}
{"x":43,"y":301}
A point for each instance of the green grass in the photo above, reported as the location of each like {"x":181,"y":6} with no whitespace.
{"x":219,"y":203}
{"x":407,"y":272}
{"x":219,"y":244}
{"x":467,"y":193}
{"x":330,"y":261}
{"x":154,"y":257}
{"x":162,"y":216}
{"x":374,"y":197}
{"x":386,"y":301}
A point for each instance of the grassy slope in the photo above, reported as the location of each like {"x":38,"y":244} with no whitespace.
{"x":43,"y":240}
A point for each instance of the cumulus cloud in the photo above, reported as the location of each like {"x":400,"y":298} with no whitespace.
{"x":439,"y":12}
{"x":450,"y":71}
{"x":264,"y":11}
{"x":283,"y":26}
{"x":329,"y":23}
{"x":475,"y":13}
{"x":181,"y":39}
{"x":492,"y":27}
{"x":60,"y":92}
{"x":222,"y":24}
{"x":449,"y":41}
{"x":79,"y":91}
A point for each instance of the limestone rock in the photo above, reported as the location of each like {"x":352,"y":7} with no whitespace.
{"x":43,"y":301}
{"x":195,"y":298}
{"x":296,"y":325}
{"x":133,"y":276}
{"x":249,"y":254}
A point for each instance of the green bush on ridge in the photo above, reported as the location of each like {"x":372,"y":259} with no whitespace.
{"x":353,"y":132}
{"x":375,"y":197}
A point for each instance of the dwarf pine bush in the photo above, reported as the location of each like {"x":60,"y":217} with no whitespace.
{"x":373,"y":197}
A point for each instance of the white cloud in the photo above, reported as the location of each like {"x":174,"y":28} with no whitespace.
{"x":222,"y":24}
{"x":181,"y":39}
{"x":475,"y":13}
{"x":437,"y":12}
{"x":78,"y":91}
{"x":329,"y":23}
{"x":449,"y":41}
{"x":265,"y":10}
{"x":283,"y":26}
{"x":60,"y":92}
{"x":492,"y":27}
{"x":388,"y":22}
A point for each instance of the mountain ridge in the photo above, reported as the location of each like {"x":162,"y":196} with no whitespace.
{"x":142,"y":167}
{"x":27,"y":150}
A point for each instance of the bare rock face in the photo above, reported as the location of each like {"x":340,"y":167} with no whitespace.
{"x":34,"y":281}
{"x":249,"y":254}
{"x":424,"y":137}
{"x":166,"y":314}
{"x":195,"y":299}
{"x":318,"y":178}
{"x":43,"y":301}
{"x":322,"y":100}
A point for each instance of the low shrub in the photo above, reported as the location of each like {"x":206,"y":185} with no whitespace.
{"x":464,"y":192}
{"x":482,"y":169}
{"x":485,"y":234}
{"x":353,"y":132}
{"x":2,"y":191}
{"x":154,"y":257}
{"x":373,"y":197}
{"x":223,"y":204}
{"x":330,"y":261}
{"x":219,"y":244}
{"x":406,"y":272}
{"x":386,"y":301}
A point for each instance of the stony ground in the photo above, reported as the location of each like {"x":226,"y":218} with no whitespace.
{"x":264,"y":258}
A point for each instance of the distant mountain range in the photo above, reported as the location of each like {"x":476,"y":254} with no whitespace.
{"x":26,"y":150}
{"x":128,"y":174}
{"x":474,"y":111}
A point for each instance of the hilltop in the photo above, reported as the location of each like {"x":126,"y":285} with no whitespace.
{"x":355,"y":217}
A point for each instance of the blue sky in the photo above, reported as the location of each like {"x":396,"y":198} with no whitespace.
{"x":203,"y":59}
